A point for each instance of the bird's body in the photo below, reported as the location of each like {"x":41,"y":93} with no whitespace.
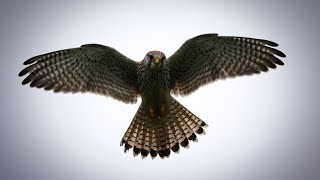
{"x":154,"y":87}
{"x":161,"y":123}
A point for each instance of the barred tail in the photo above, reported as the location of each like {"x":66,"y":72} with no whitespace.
{"x":149,"y":136}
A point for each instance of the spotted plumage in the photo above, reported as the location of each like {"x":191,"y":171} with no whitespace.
{"x":161,"y":124}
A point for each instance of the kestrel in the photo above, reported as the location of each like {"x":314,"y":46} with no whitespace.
{"x":161,"y":124}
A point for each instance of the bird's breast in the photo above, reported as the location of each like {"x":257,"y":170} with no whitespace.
{"x":155,"y":94}
{"x":156,"y":103}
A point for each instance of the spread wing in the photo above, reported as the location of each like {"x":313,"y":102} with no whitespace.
{"x":90,"y":68}
{"x":209,"y":57}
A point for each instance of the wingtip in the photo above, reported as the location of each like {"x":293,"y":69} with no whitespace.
{"x":281,"y":54}
{"x":281,"y":63}
{"x":26,"y":62}
{"x":271,"y":43}
{"x":26,"y":80}
{"x":21,"y":73}
{"x":29,"y":61}
{"x":278,"y":62}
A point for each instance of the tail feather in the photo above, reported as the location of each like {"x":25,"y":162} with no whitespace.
{"x":149,"y":136}
{"x":174,"y":144}
{"x":138,"y":141}
{"x":146,"y":141}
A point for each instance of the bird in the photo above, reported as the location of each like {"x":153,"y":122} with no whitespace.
{"x":161,"y":124}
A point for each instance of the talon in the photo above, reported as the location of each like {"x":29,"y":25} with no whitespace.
{"x":162,"y":109}
{"x":151,"y":110}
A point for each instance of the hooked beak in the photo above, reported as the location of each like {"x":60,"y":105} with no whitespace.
{"x":156,"y":60}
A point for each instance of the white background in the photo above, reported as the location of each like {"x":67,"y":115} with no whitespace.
{"x":260,"y":127}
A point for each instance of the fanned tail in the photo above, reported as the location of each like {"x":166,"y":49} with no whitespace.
{"x":150,"y":136}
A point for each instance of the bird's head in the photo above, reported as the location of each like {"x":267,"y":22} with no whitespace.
{"x":155,"y":59}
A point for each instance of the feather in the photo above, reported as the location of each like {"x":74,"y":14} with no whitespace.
{"x":77,"y":69}
{"x":208,"y":57}
{"x":162,"y":136}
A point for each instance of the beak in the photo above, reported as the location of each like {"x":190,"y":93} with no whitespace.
{"x":157,"y":60}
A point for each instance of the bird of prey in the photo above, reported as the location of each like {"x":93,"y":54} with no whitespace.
{"x":161,"y":124}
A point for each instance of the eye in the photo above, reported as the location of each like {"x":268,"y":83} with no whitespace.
{"x":163,"y":58}
{"x":150,"y":57}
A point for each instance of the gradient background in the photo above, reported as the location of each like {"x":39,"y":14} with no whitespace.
{"x":260,"y":127}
